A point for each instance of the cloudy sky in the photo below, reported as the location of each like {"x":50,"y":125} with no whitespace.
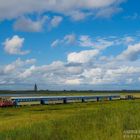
{"x":70,"y":44}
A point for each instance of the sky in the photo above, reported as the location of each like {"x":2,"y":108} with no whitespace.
{"x":70,"y":45}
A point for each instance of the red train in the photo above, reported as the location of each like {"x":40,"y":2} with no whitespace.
{"x":6,"y":102}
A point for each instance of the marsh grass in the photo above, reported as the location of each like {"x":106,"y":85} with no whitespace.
{"x":87,"y":121}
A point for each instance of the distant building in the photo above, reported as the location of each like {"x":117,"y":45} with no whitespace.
{"x":35,"y":88}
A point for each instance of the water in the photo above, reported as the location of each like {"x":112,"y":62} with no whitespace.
{"x":17,"y":95}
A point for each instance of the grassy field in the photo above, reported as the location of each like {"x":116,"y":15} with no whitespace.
{"x":77,"y":121}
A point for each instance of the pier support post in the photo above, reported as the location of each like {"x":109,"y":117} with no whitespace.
{"x":83,"y":100}
{"x":98,"y":99}
{"x":42,"y":102}
{"x":65,"y":101}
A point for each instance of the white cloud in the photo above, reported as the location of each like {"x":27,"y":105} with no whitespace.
{"x":55,"y":43}
{"x":56,"y":20}
{"x":10,"y":73}
{"x":78,"y":15}
{"x":86,"y":68}
{"x":10,"y":68}
{"x":14,"y":45}
{"x":83,"y":56}
{"x":103,"y":76}
{"x":129,"y":81}
{"x":9,"y":10}
{"x":131,"y":53}
{"x":70,"y":74}
{"x":73,"y":82}
{"x":99,"y":43}
{"x":69,"y":39}
{"x":27,"y":25}
{"x":128,"y":40}
{"x":93,"y":72}
{"x":107,"y":12}
{"x":85,"y":41}
{"x":103,"y":44}
{"x":74,"y":70}
{"x":27,"y":73}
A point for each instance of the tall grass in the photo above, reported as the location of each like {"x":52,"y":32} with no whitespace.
{"x":87,"y":121}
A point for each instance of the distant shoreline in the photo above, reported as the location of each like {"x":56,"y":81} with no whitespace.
{"x":66,"y":91}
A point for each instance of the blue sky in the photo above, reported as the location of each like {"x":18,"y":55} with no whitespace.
{"x":70,"y":45}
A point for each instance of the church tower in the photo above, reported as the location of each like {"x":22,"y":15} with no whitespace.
{"x":35,"y":87}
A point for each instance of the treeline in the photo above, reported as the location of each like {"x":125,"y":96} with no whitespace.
{"x":66,"y":91}
{"x":92,"y":91}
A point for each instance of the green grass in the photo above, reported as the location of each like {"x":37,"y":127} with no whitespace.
{"x":78,"y":121}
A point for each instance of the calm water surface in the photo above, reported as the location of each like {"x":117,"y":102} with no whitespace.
{"x":17,"y":95}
